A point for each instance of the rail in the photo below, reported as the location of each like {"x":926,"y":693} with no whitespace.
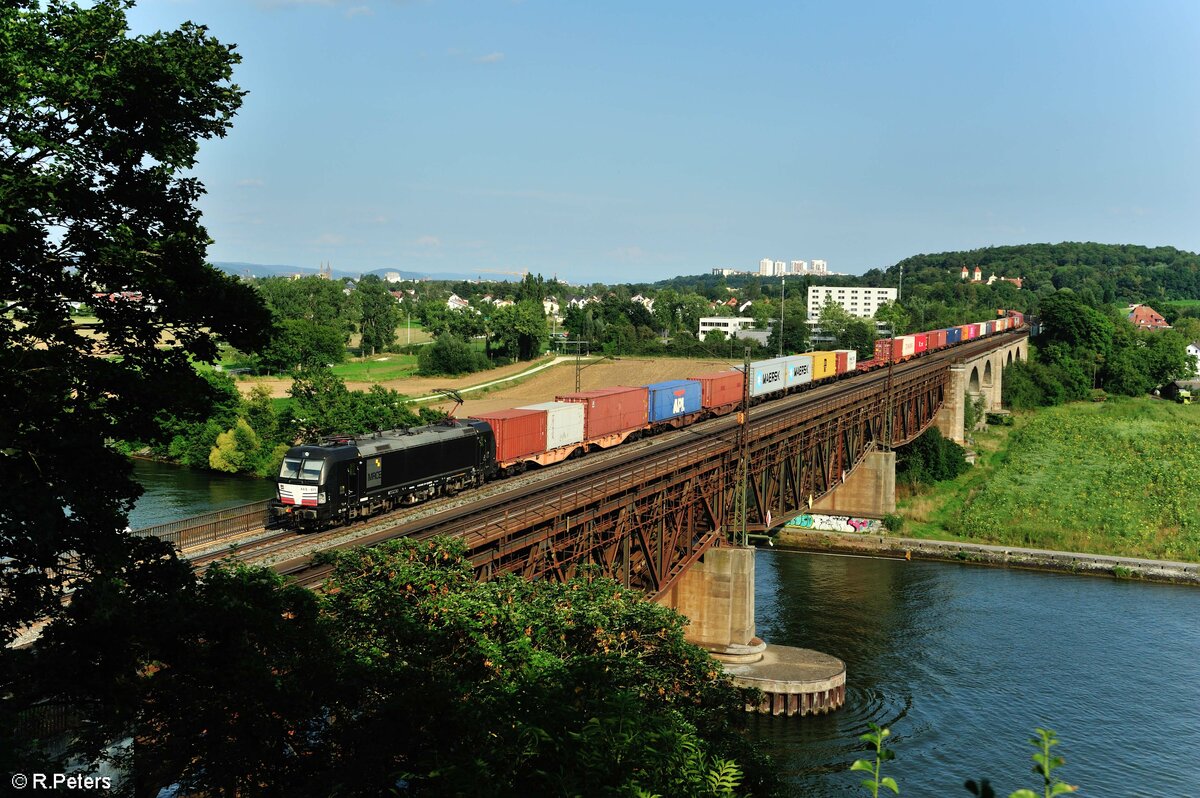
{"x":211,"y":527}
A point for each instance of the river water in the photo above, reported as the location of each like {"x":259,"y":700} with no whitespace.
{"x":960,"y":661}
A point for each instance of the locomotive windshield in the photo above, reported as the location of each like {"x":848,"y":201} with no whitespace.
{"x":307,"y":470}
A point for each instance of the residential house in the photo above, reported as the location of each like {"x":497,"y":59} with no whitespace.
{"x":1145,"y":317}
{"x":1193,"y":350}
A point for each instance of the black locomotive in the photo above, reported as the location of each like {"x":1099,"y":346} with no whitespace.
{"x":345,"y":478}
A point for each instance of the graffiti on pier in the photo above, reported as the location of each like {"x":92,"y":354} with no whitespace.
{"x":836,"y":523}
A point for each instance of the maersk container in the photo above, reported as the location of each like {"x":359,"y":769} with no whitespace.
{"x":673,"y":398}
{"x":798,"y":370}
{"x":824,"y":365}
{"x":720,"y":388}
{"x":937,"y":339}
{"x":850,"y":360}
{"x":920,"y":342}
{"x":564,"y":422}
{"x":611,"y":410}
{"x":519,"y":433}
{"x":768,"y":376}
{"x":954,"y":335}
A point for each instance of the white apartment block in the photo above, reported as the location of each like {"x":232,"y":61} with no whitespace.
{"x":730,"y":325}
{"x":860,"y":302}
{"x":766,"y":266}
{"x":819,"y":267}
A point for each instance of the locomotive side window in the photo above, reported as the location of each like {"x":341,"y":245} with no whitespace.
{"x":290,"y":468}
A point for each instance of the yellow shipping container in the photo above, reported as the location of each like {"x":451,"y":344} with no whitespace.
{"x":824,"y":364}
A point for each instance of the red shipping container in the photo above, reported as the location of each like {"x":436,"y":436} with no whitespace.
{"x":720,"y":388}
{"x":843,"y":362}
{"x":519,"y":433}
{"x":920,"y":342}
{"x":889,"y":349}
{"x":937,"y":339}
{"x":610,"y":410}
{"x":974,"y":330}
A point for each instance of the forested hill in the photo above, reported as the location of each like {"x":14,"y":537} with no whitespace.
{"x":1109,"y":273}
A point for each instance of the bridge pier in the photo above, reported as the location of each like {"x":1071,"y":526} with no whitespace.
{"x":717,"y":596}
{"x":869,"y":489}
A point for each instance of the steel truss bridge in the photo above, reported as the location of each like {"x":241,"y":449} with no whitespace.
{"x":646,"y":515}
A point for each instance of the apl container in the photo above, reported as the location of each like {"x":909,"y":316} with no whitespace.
{"x":519,"y":432}
{"x":824,"y":365}
{"x":798,"y":370}
{"x":611,"y":410}
{"x":564,"y":423}
{"x":720,"y":389}
{"x":768,"y":376}
{"x":673,"y":398}
{"x":953,"y":335}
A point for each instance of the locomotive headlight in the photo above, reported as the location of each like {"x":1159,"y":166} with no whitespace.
{"x":321,"y":497}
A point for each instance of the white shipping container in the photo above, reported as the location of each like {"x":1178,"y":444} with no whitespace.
{"x":908,"y":345}
{"x":564,"y":422}
{"x":767,"y":376}
{"x":851,"y":358}
{"x":799,"y":370}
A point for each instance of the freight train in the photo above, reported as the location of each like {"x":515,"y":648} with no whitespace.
{"x":341,"y":479}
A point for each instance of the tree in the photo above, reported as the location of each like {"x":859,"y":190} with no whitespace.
{"x":449,"y":354}
{"x":299,"y":344}
{"x":97,"y":132}
{"x":379,"y":315}
{"x":894,"y":316}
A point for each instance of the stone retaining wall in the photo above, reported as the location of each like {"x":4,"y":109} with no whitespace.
{"x":1009,"y":556}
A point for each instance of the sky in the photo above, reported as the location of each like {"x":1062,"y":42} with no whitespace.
{"x":632,"y":141}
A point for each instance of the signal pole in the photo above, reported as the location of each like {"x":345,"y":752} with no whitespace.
{"x":740,"y":498}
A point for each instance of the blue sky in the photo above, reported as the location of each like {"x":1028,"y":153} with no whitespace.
{"x":631,"y":141}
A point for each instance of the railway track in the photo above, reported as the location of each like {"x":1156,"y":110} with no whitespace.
{"x":532,"y":494}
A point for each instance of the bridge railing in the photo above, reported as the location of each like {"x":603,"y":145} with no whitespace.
{"x":208,"y":527}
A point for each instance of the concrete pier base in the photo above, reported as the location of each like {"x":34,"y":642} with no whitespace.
{"x":794,"y":681}
{"x":717,"y":596}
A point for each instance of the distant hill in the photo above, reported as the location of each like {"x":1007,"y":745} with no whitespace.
{"x":240,"y":269}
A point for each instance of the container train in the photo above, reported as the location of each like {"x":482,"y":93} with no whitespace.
{"x":341,"y":479}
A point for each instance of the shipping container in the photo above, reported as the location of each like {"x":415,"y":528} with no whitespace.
{"x":1001,"y":325}
{"x":851,"y":360}
{"x":720,"y":389}
{"x":798,"y":370}
{"x":518,"y":432}
{"x":908,"y":346}
{"x":673,"y":398}
{"x":954,"y":335}
{"x":887,"y":349}
{"x":824,"y":365}
{"x":937,"y":339}
{"x":842,"y":362}
{"x":767,"y":376}
{"x":920,"y":342}
{"x":609,"y":411}
{"x":972,"y":331}
{"x":987,"y":327}
{"x":564,"y":422}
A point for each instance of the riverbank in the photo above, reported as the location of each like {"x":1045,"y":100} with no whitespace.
{"x":983,"y":554}
{"x":1116,"y":478}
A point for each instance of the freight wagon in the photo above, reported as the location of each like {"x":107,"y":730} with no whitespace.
{"x":611,"y":415}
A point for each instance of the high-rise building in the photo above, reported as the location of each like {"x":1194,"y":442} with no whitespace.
{"x":799,"y":267}
{"x":860,"y":302}
{"x":766,"y":266}
{"x":819,"y":267}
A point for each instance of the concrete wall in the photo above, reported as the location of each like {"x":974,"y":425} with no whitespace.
{"x":717,"y":596}
{"x":870,"y":489}
{"x":982,"y":377}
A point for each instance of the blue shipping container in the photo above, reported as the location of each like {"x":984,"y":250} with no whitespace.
{"x":674,"y":398}
{"x":953,"y":336}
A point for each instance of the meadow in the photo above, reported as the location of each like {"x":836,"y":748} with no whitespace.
{"x":1117,"y":477}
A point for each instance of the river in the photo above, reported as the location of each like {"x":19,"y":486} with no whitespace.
{"x":960,"y":661}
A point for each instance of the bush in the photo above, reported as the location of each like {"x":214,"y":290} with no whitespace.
{"x":450,"y":355}
{"x":894,"y":523}
{"x":930,"y":458}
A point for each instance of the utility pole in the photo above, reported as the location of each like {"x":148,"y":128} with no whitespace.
{"x":900,"y":293}
{"x":782,"y":296}
{"x":740,"y":498}
{"x":887,"y":424}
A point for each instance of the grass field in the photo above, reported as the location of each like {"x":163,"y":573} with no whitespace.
{"x":1118,"y":477}
{"x":380,"y":368}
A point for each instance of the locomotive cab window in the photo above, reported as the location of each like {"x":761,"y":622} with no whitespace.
{"x":290,"y":468}
{"x":311,"y":470}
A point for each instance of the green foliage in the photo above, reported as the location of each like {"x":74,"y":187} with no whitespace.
{"x":894,"y":523}
{"x":100,"y":133}
{"x":882,"y":754}
{"x":299,"y":344}
{"x":379,"y":314}
{"x":323,"y":406}
{"x":451,"y":355}
{"x":1115,"y":477}
{"x":1045,"y":764}
{"x":930,"y":458}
